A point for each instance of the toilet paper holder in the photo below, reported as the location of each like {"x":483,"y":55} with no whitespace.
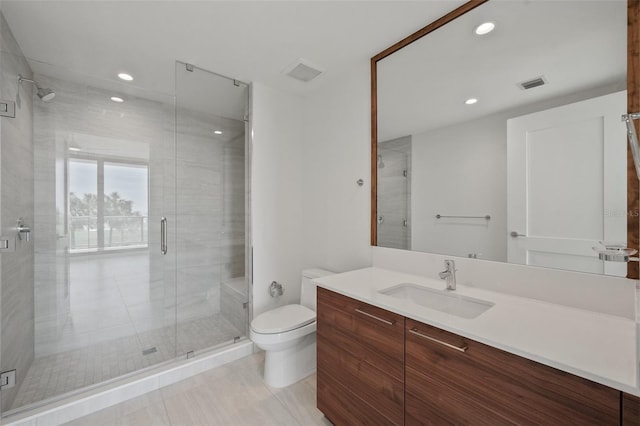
{"x":276,"y":289}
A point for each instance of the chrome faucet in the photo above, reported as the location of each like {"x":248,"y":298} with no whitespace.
{"x":449,"y":274}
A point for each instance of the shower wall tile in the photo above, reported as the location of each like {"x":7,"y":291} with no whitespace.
{"x":394,"y":199}
{"x":211,"y":210}
{"x":135,"y":130}
{"x":16,"y":200}
{"x":197,"y":185}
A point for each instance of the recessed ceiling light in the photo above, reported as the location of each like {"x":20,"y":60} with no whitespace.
{"x":471,"y":101}
{"x":485,"y":28}
{"x":217,"y":132}
{"x":73,"y":148}
{"x":117,"y":99}
{"x":124,"y":76}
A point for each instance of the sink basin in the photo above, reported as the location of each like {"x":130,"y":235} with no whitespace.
{"x":440,"y":300}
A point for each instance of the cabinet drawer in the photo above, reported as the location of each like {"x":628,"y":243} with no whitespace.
{"x":360,"y":361}
{"x":444,"y":406}
{"x":363,"y":352}
{"x":442,"y":368}
{"x":367,"y":331}
{"x":343,"y":407}
{"x":630,"y":410}
{"x":380,"y":391}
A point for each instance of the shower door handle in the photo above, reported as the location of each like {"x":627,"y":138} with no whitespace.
{"x":163,"y":235}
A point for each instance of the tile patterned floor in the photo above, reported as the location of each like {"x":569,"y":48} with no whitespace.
{"x":56,"y":374}
{"x":114,"y":312}
{"x":233,"y":394}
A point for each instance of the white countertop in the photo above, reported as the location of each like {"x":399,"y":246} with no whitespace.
{"x":596,"y":346}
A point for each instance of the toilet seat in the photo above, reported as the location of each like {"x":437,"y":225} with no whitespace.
{"x":283,"y":319}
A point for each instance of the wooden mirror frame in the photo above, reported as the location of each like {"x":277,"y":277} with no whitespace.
{"x":633,"y":105}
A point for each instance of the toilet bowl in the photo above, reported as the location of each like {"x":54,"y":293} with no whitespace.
{"x":287,"y":334}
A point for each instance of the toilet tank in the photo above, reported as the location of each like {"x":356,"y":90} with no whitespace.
{"x":308,"y":289}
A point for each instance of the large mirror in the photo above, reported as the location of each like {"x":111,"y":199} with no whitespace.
{"x":509,"y":146}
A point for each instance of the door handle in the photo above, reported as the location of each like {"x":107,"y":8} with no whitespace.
{"x":163,"y":235}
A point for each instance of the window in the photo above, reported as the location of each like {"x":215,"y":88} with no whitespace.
{"x":108,"y":204}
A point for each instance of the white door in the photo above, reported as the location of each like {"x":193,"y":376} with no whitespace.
{"x":567,"y":185}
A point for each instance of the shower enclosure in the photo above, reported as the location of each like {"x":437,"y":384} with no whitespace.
{"x":136,"y":202}
{"x":394,"y":193}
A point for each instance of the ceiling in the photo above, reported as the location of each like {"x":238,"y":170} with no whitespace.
{"x":246,"y":40}
{"x":578,"y":46}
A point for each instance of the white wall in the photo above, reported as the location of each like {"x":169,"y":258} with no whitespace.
{"x":461,"y":170}
{"x":336,"y":212}
{"x":336,"y":154}
{"x":307,"y":210}
{"x":277,"y":187}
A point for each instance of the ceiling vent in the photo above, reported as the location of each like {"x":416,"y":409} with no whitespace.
{"x":303,"y":70}
{"x":534,"y":82}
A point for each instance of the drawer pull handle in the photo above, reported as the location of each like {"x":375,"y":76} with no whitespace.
{"x":457,"y":348}
{"x":376,"y":318}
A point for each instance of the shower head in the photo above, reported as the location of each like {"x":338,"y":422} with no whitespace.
{"x":43,"y":93}
{"x":46,"y":94}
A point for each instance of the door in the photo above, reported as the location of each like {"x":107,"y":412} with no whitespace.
{"x":211,"y":194}
{"x":103,"y":302}
{"x":560,"y":208}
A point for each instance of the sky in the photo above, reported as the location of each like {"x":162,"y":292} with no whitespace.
{"x":128,"y":180}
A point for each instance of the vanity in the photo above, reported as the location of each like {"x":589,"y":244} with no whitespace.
{"x":502,"y":146}
{"x":387,"y":359}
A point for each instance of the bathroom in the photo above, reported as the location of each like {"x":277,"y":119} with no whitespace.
{"x":294,"y":160}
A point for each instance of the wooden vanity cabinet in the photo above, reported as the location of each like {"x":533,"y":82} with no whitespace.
{"x":360,"y":362}
{"x":630,"y":410}
{"x":453,"y":380}
{"x":377,"y":367}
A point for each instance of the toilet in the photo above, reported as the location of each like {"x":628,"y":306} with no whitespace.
{"x":287,"y":334}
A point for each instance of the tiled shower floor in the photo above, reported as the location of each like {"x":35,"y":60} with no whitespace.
{"x":56,"y":374}
{"x":115,"y":311}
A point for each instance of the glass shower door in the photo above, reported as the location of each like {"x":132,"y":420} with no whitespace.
{"x":212,"y":300}
{"x":101,"y":295}
{"x":394,"y":193}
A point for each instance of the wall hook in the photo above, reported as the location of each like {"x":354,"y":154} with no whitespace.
{"x":360,"y":182}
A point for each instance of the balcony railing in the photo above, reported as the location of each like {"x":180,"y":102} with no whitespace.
{"x":119,"y":232}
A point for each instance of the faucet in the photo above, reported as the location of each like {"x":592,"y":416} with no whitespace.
{"x":449,"y":274}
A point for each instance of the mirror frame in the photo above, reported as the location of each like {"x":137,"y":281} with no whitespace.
{"x":633,"y":105}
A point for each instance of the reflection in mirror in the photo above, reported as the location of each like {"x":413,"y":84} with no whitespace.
{"x":534,"y":171}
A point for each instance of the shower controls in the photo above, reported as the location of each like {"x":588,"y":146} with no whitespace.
{"x":7,"y":379}
{"x":7,"y":109}
{"x":24,"y":232}
{"x":7,"y":244}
